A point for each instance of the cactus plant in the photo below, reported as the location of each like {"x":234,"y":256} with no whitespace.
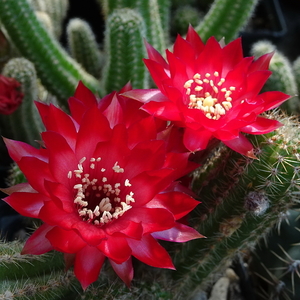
{"x":243,"y":198}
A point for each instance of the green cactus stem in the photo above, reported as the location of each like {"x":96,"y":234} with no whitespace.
{"x":58,"y":72}
{"x":241,"y":205}
{"x":83,"y":46}
{"x":25,"y":123}
{"x":282,"y":78}
{"x":225,"y":19}
{"x":125,"y":50}
{"x":153,"y":12}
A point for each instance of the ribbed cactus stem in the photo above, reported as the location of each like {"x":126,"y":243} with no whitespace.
{"x":55,"y":286}
{"x":282,"y":78}
{"x":83,"y":46}
{"x":226,"y":18}
{"x":124,"y":47}
{"x":151,"y":12}
{"x":241,"y":205}
{"x":14,"y":266}
{"x":58,"y":72}
{"x":24,"y":124}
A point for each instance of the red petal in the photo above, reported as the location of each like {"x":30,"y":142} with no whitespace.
{"x":116,"y":249}
{"x":21,"y":187}
{"x":61,"y":195}
{"x":58,"y":121}
{"x":143,"y":130}
{"x":126,"y":227}
{"x":83,"y":94}
{"x":256,"y":81}
{"x":186,"y":53}
{"x":94,"y":129}
{"x":124,"y":270}
{"x":261,"y":126}
{"x":62,"y":159}
{"x":179,"y":204}
{"x":145,"y":156}
{"x":262,"y":63}
{"x":36,"y":171}
{"x":195,"y":140}
{"x":52,"y":214}
{"x":77,"y":109}
{"x":210,"y":59}
{"x":146,"y":95}
{"x":37,"y":242}
{"x":180,"y":233}
{"x":152,"y":182}
{"x":195,"y":40}
{"x":154,"y":55}
{"x":150,"y":252}
{"x":157,"y":71}
{"x":273,"y":99}
{"x":232,"y":55}
{"x":241,"y":145}
{"x":17,"y":150}
{"x":152,"y":219}
{"x":66,"y":241}
{"x":87,"y":266}
{"x":163,"y":110}
{"x":26,"y":204}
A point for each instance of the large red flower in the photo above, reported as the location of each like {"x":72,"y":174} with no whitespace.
{"x":211,"y":91}
{"x":10,"y":95}
{"x":102,"y":190}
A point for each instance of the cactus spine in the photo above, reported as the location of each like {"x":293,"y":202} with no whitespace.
{"x":59,"y":73}
{"x":124,"y":47}
{"x":241,"y":204}
{"x":226,"y":18}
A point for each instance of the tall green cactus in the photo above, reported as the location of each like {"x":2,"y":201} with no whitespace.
{"x":226,"y":18}
{"x":124,"y":47}
{"x":59,"y":73}
{"x":153,"y":12}
{"x":240,"y":204}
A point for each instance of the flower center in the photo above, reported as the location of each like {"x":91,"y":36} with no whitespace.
{"x":207,"y":95}
{"x":100,"y":199}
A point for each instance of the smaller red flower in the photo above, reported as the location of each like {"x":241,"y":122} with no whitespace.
{"x":10,"y":95}
{"x":210,"y":90}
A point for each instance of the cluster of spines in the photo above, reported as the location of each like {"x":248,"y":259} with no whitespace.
{"x":283,"y":77}
{"x":225,"y":19}
{"x":240,"y":205}
{"x":58,"y":72}
{"x":124,"y":48}
{"x":83,"y":46}
{"x":26,"y":114}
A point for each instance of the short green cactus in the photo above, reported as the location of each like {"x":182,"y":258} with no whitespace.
{"x":83,"y":46}
{"x":23,"y":71}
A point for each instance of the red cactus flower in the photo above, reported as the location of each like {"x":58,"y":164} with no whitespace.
{"x":211,"y":91}
{"x":101,"y":192}
{"x":10,"y":95}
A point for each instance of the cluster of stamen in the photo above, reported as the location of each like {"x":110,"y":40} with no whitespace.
{"x":208,"y":95}
{"x":98,"y":199}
